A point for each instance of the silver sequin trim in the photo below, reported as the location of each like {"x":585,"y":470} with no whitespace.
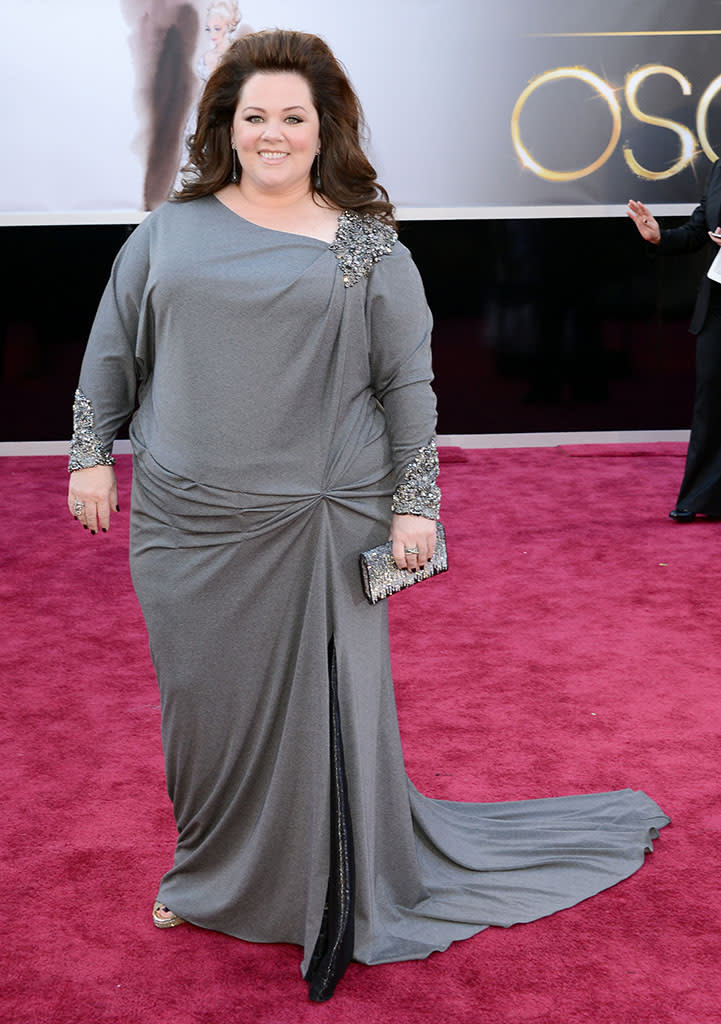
{"x":418,"y":494}
{"x":86,"y":448}
{"x":360,"y":241}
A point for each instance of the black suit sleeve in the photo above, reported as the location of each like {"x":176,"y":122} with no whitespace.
{"x":694,"y":233}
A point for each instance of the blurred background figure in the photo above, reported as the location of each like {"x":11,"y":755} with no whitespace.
{"x":700,"y":491}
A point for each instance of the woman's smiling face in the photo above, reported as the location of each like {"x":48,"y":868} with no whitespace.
{"x":276,"y":131}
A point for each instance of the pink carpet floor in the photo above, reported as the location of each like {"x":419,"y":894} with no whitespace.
{"x":574,"y":646}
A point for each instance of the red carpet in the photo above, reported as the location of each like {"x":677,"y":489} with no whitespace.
{"x":574,"y":646}
{"x":624,"y":451}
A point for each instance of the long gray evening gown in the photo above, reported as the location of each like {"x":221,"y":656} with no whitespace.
{"x":282,"y":401}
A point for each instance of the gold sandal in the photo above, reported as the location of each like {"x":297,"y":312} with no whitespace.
{"x":165,"y":922}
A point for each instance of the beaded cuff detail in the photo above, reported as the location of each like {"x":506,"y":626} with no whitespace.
{"x":86,"y":448}
{"x":418,"y":494}
{"x":360,"y":241}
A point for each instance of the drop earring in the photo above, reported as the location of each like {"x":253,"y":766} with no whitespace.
{"x":234,"y":176}
{"x":317,"y":184}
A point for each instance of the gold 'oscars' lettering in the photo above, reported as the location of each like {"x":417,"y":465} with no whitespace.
{"x":602,"y":88}
{"x":702,"y":117}
{"x":686,"y":137}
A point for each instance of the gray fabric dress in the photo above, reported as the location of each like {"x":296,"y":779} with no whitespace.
{"x":283,"y":395}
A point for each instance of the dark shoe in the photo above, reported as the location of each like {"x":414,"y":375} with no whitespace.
{"x":682,"y":515}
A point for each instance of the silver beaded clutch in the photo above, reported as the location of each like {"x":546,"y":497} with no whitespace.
{"x":381,"y":576}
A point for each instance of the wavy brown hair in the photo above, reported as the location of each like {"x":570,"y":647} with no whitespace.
{"x":348,"y":179}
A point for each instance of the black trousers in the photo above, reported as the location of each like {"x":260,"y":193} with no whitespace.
{"x":701,"y":485}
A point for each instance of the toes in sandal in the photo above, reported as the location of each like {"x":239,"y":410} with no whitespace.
{"x":165,"y":922}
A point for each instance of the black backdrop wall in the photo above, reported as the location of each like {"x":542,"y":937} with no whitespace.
{"x":540,"y":325}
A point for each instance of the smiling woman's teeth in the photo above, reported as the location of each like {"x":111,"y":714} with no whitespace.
{"x":272,"y":156}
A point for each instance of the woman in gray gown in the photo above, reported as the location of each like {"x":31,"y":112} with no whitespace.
{"x":269,"y":335}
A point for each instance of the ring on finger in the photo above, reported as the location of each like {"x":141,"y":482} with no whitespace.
{"x":411,"y":551}
{"x":78,"y":507}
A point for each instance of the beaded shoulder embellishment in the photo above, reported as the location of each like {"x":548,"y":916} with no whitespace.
{"x":86,"y":448}
{"x":418,"y":493}
{"x":360,"y":241}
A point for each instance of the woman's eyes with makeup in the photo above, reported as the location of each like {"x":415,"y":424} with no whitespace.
{"x":258,"y":119}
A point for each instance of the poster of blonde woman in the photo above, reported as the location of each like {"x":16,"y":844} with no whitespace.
{"x":222,"y":26}
{"x":176,"y":45}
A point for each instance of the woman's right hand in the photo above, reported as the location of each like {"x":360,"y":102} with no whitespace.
{"x":92,"y":493}
{"x":645,"y":221}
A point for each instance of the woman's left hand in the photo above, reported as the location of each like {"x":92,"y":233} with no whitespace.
{"x":414,"y":540}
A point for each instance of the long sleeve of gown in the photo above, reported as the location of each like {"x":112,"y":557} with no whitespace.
{"x":112,"y":366}
{"x":400,"y":330}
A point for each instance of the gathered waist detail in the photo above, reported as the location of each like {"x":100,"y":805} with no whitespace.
{"x":202,"y":508}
